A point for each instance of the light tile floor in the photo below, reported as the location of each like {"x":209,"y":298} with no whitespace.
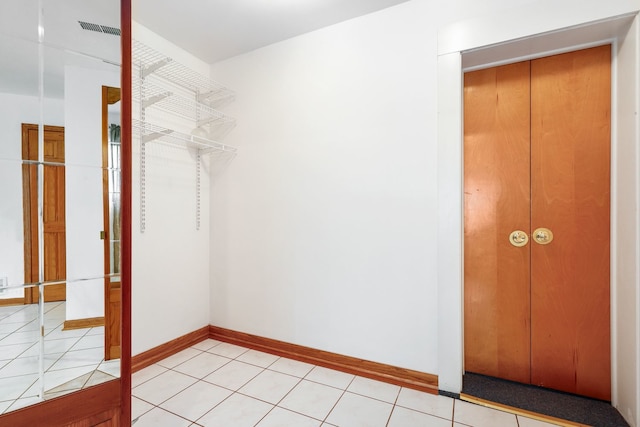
{"x":73,"y":359}
{"x":215,"y":384}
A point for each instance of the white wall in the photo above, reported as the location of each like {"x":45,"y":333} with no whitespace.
{"x":324,"y":228}
{"x":15,"y":110}
{"x":84,"y":205}
{"x":170,"y":273}
{"x":338,"y":226}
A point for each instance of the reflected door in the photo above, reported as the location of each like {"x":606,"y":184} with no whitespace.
{"x":537,"y":158}
{"x":111,"y":213}
{"x":54,"y":229}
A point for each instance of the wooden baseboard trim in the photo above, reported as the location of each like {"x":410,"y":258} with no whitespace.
{"x":518,"y":411}
{"x":89,"y":322}
{"x":378,"y":371}
{"x":11,"y":301}
{"x":167,"y":349}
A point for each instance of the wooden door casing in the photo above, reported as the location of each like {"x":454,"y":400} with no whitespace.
{"x":53,"y":214}
{"x":496,"y":195}
{"x":570,"y":124}
{"x":569,"y":170}
{"x":112,"y":288}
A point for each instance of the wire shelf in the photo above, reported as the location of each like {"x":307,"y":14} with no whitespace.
{"x":161,"y":83}
{"x":151,"y":132}
{"x":148,"y":61}
{"x":162,"y":97}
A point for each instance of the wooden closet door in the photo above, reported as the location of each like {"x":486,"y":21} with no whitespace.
{"x":570,"y":158}
{"x":497,"y":202}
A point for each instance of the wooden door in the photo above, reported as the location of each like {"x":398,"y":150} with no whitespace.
{"x":497,"y":202}
{"x":570,"y":160}
{"x":111,"y":233}
{"x":54,"y":233}
{"x":554,"y":296}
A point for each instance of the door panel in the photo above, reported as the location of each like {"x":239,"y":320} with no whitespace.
{"x":54,"y":229}
{"x":540,"y":313}
{"x":570,"y":160}
{"x":496,"y":188}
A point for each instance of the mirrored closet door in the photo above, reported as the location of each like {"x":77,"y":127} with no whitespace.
{"x":61,"y":189}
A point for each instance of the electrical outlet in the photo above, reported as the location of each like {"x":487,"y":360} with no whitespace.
{"x":4,"y":283}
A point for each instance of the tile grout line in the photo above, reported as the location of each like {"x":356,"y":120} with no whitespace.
{"x":197,"y":380}
{"x":340,"y":398}
{"x":232,"y":391}
{"x":282,"y":398}
{"x":393,"y":407}
{"x":54,"y":324}
{"x":269,"y":367}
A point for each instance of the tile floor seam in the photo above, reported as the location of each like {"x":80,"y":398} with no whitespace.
{"x":145,"y":401}
{"x":173,"y":413}
{"x":453,"y":412}
{"x":184,"y":361}
{"x":173,"y":395}
{"x":372,"y":398}
{"x":253,"y":397}
{"x":215,"y":370}
{"x":233,"y":358}
{"x":423,"y":412}
{"x":265,"y":415}
{"x":393,"y":407}
{"x":344,"y":391}
{"x":262,"y":367}
{"x":277,"y":405}
{"x":88,"y":378}
{"x":22,"y":394}
{"x":299,"y":413}
{"x":151,"y":377}
{"x":214,"y":407}
{"x":284,"y":397}
{"x":189,"y":375}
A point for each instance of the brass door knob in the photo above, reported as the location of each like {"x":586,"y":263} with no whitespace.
{"x":518,"y":238}
{"x":542,"y":236}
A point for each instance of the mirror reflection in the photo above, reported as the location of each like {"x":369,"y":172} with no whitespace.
{"x":60,"y":193}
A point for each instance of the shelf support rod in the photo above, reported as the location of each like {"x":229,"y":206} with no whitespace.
{"x":198,"y":167}
{"x":143,"y":157}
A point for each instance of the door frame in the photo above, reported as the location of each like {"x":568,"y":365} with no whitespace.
{"x":463,"y":46}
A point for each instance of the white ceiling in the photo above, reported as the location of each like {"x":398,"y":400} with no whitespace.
{"x":213,"y":30}
{"x":209,"y":29}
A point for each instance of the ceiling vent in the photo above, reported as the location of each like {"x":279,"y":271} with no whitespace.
{"x":99,"y":28}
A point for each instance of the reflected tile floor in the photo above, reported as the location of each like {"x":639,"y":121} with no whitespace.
{"x":73,"y":359}
{"x":215,"y":384}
